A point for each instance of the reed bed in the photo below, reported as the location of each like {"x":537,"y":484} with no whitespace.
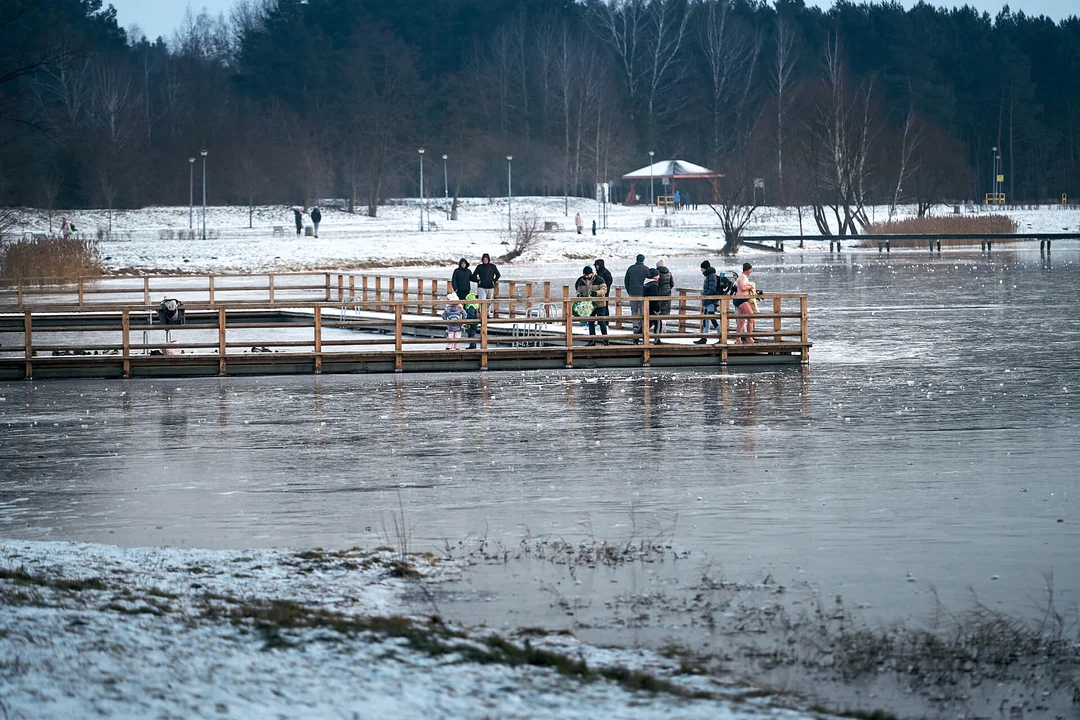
{"x":49,"y":260}
{"x":960,"y":224}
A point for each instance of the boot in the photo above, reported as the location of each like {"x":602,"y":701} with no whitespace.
{"x":702,"y":341}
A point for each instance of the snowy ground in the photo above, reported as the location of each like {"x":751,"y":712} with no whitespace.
{"x":162,"y":632}
{"x":146,"y":240}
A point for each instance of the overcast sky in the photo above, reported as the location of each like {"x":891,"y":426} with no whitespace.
{"x":161,"y":17}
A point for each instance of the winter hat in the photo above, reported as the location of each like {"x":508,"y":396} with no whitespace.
{"x":452,"y":297}
{"x":641,"y":258}
{"x":587,"y":270}
{"x":653,"y":272}
{"x":705,"y":264}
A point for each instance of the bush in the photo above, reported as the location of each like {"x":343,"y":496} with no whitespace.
{"x":527,"y":236}
{"x":960,"y":224}
{"x":49,"y":259}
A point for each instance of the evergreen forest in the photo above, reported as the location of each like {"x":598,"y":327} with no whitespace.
{"x":298,"y":100}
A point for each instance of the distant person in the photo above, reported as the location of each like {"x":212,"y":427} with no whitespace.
{"x":677,"y":199}
{"x":486,"y":276}
{"x":651,"y":289}
{"x":633,"y":281}
{"x":667,"y":284}
{"x":472,"y":312}
{"x":455,"y":313}
{"x":689,"y":201}
{"x":594,"y":228}
{"x":65,"y":228}
{"x":745,"y":305}
{"x":708,"y":307}
{"x":298,"y":216}
{"x":579,"y":223}
{"x":461,"y":280}
{"x":316,"y":218}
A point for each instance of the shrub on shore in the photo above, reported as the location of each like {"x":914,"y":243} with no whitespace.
{"x":960,"y":224}
{"x":49,"y":260}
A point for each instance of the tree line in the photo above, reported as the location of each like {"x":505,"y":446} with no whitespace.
{"x":297,"y":100}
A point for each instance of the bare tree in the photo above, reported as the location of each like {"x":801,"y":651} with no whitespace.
{"x":783,"y":67}
{"x":52,"y":182}
{"x":738,"y":203}
{"x":909,"y":142}
{"x":111,"y":103}
{"x":731,"y":51}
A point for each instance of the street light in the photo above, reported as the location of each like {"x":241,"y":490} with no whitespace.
{"x":421,"y":151}
{"x":652,"y":200}
{"x":203,"y":153}
{"x":191,"y":194}
{"x":446,"y":187}
{"x":509,"y":194}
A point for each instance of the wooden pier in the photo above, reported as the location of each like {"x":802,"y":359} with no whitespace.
{"x":350,"y":323}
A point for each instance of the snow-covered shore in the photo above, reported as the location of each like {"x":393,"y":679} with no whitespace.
{"x":147,"y":239}
{"x":163,"y":632}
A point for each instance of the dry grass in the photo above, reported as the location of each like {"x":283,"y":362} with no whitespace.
{"x":49,"y":259}
{"x":961,"y":224}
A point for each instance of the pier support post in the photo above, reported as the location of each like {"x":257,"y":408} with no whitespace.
{"x":125,"y":323}
{"x":398,"y":333}
{"x":939,"y":246}
{"x":221,"y":340}
{"x":982,"y":246}
{"x":1048,"y":246}
{"x":28,"y":343}
{"x":880,"y":246}
{"x":887,"y":248}
{"x":1042,"y":247}
{"x":931,"y":241}
{"x":989,"y":246}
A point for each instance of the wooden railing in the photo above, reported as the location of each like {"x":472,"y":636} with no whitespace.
{"x":381,"y":327}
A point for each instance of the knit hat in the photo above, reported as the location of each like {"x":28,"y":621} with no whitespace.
{"x":452,"y":297}
{"x":587,"y":270}
{"x":653,"y":272}
{"x":705,"y":264}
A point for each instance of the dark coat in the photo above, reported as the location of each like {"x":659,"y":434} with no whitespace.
{"x":650,"y":290}
{"x":708,"y":285}
{"x":316,"y":216}
{"x":461,"y":279}
{"x":486,"y":275}
{"x":602,"y":271}
{"x":666,"y":281}
{"x":635,"y":279}
{"x":298,"y":218}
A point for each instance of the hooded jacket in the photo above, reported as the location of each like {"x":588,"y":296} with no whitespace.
{"x":666,"y":281}
{"x":461,"y":279}
{"x":708,"y":285}
{"x":602,"y":271}
{"x":651,"y":289}
{"x":634,"y":280}
{"x":486,"y":274}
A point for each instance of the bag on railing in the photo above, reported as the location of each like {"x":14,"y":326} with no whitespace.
{"x":170,"y":312}
{"x":725,"y":286}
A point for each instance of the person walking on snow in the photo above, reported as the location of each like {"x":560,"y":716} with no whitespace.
{"x":461,"y":279}
{"x":316,"y":218}
{"x":65,"y":228}
{"x":298,"y":216}
{"x":633,"y":281}
{"x":579,"y":222}
{"x":486,"y":276}
{"x":708,"y":307}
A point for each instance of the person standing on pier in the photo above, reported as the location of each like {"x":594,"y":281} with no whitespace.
{"x":602,"y":271}
{"x":745,"y":304}
{"x":708,"y":307}
{"x":667,"y":284}
{"x":455,"y":313}
{"x":591,"y":285}
{"x":461,"y":280}
{"x":634,"y":281}
{"x":486,"y":276}
{"x":651,"y":289}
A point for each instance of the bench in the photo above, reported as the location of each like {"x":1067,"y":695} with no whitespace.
{"x":40,"y":236}
{"x":551,"y":225}
{"x":432,"y":225}
{"x":279,"y":231}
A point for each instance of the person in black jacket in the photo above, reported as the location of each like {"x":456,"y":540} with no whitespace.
{"x":708,"y":307}
{"x":667,"y":284}
{"x":486,"y":276}
{"x":651,"y":289}
{"x":602,"y":271}
{"x":316,"y":218}
{"x":298,"y":216}
{"x":461,"y":279}
{"x":633,"y":281}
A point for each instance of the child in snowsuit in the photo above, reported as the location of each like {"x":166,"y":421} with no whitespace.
{"x":455,"y":313}
{"x":472,"y":312}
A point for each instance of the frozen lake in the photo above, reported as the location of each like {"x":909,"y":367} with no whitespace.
{"x":932,"y":442}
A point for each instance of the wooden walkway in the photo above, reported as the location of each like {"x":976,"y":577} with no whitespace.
{"x":256,"y":325}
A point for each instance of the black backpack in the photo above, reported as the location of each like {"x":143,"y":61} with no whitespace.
{"x":725,"y":286}
{"x":171,"y":312}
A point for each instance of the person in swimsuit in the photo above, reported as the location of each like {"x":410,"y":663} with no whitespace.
{"x":744,"y":305}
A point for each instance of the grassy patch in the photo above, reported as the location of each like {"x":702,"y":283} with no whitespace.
{"x":21,"y":576}
{"x":49,"y":259}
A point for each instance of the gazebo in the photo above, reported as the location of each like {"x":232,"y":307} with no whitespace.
{"x":672,"y":174}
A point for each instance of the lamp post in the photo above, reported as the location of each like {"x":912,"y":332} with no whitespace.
{"x":652,"y":200}
{"x":203,"y":153}
{"x":509,"y":193}
{"x":446,"y":186}
{"x":421,"y":151}
{"x":191,"y":194}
